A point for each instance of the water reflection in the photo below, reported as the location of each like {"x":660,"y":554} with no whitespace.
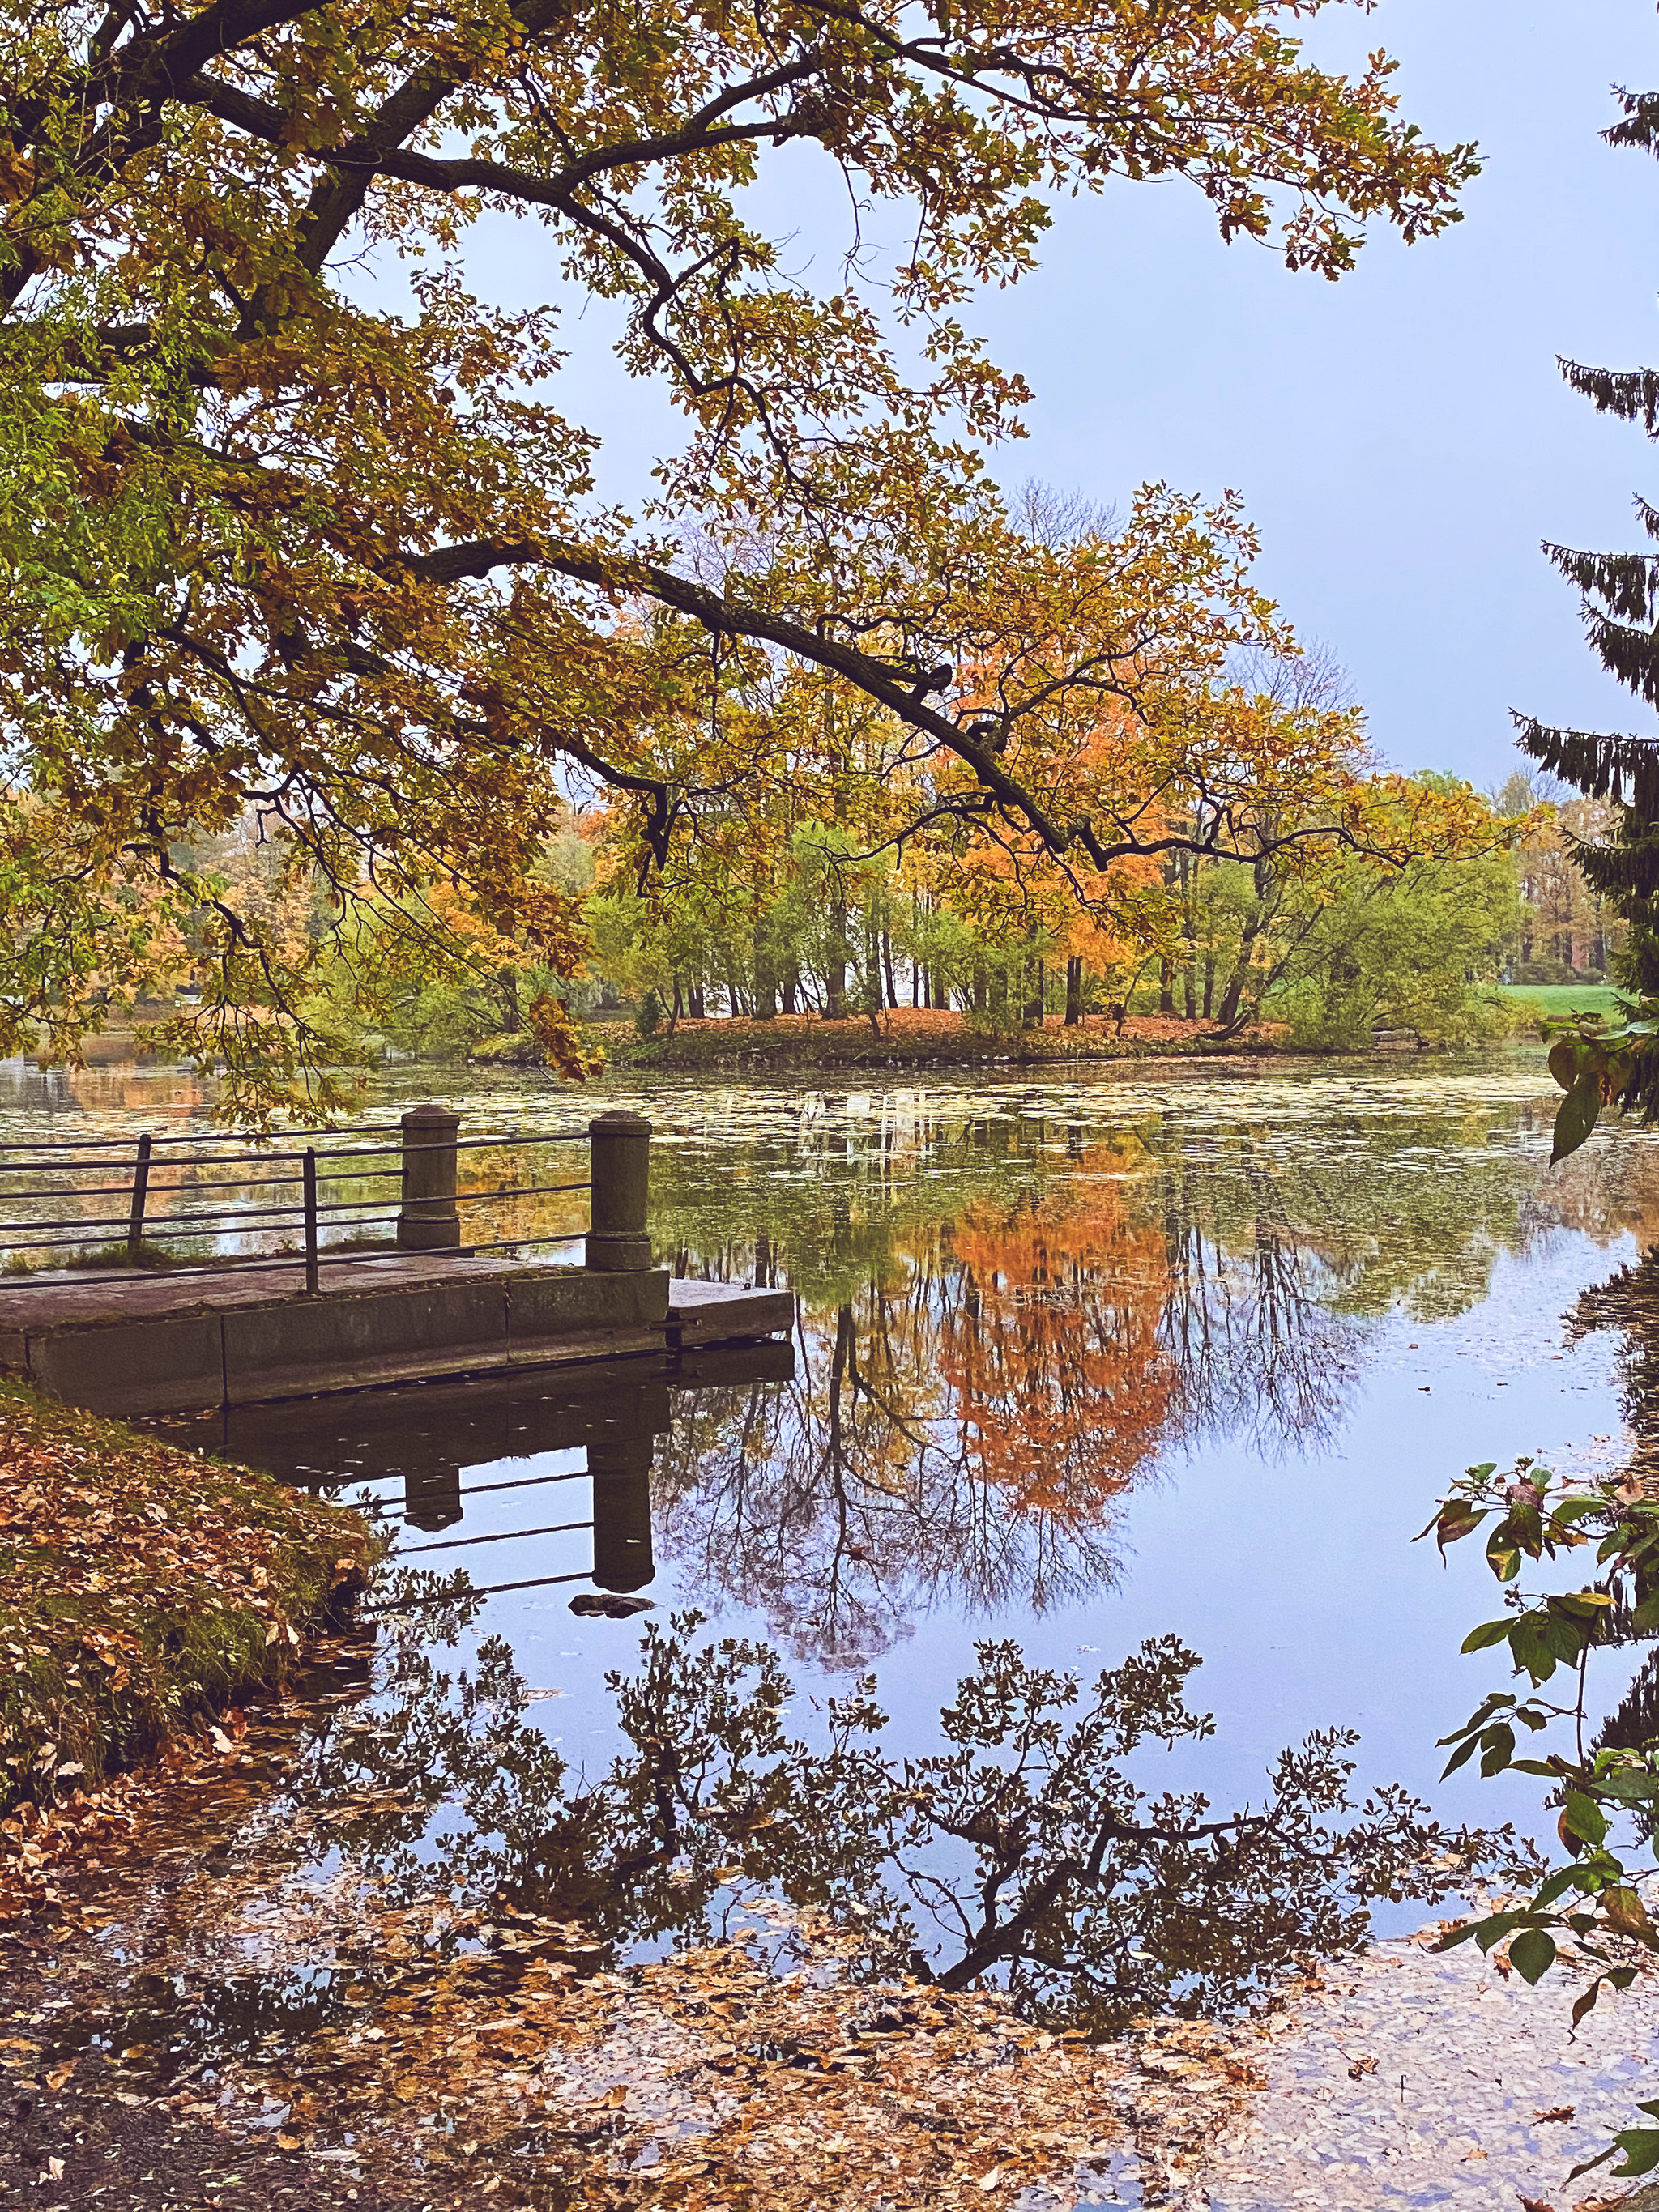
{"x":420,"y":1444}
{"x":1023,"y":1848}
{"x":1021,"y":1316}
{"x":1009,"y":1323}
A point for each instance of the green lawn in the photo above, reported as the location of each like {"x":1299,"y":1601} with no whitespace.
{"x":1541,"y":999}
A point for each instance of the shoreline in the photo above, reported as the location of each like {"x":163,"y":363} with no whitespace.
{"x":144,"y":1588}
{"x":788,"y":1043}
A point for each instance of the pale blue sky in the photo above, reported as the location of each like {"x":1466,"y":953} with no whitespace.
{"x":1402,"y":438}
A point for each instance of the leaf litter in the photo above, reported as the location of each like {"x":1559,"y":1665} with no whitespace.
{"x":204,"y":2010}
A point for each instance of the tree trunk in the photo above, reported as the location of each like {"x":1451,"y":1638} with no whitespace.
{"x":766,"y":976}
{"x":835,"y":971}
{"x":675,"y":1011}
{"x":979,"y":986}
{"x":1166,"y":987}
{"x":873,"y":998}
{"x":1032,"y":1013}
{"x":1231,"y":997}
{"x":1074,"y":991}
{"x":887,"y":967}
{"x":698,"y":1004}
{"x":1209,"y":982}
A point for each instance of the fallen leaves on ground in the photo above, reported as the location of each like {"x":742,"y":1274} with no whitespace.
{"x":714,"y":2079}
{"x":142,"y":1587}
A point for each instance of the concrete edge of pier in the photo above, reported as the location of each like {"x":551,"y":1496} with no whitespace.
{"x":233,"y":1343}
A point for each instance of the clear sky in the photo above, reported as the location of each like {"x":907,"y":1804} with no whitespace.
{"x":1402,"y":438}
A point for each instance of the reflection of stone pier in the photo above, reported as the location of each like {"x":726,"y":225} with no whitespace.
{"x":432,"y":1440}
{"x":432,"y":1495}
{"x":621,"y":1468}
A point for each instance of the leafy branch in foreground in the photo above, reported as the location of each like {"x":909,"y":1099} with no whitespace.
{"x":1022,"y":1852}
{"x":1595,"y":1897}
{"x":1599,"y":1064}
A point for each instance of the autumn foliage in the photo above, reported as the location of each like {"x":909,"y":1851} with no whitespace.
{"x":298,"y":530}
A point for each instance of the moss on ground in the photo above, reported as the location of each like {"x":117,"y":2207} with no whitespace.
{"x":143,"y":1587}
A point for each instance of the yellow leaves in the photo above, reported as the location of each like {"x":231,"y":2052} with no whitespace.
{"x":358,"y":558}
{"x":551,"y":1025}
{"x":111,"y":1540}
{"x":1622,"y":1907}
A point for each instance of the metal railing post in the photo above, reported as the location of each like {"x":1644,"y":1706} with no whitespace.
{"x":619,"y":1150}
{"x":140,"y":1192}
{"x":309,"y":1172}
{"x":428,"y":1219}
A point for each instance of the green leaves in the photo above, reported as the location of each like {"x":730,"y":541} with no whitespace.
{"x":1483,"y":1638}
{"x":1593,"y":1897}
{"x":1639,"y":2145}
{"x":1583,"y":1817}
{"x":1532,"y":1954}
{"x":1598,"y":1065}
{"x":1575,"y":1116}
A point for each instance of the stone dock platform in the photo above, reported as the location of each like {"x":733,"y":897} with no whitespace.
{"x":230,"y":1337}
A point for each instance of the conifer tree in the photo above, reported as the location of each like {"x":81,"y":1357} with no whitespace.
{"x":1621,"y":610}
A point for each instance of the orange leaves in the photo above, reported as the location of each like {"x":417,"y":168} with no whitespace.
{"x":355,"y":576}
{"x":551,"y":1026}
{"x":1052,"y":1347}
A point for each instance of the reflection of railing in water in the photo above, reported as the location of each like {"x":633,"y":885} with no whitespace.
{"x":620,"y":1469}
{"x":427,"y":1439}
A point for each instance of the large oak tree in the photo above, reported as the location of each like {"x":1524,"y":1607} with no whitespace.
{"x":279,"y":542}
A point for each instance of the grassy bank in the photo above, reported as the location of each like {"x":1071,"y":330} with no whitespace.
{"x":1534,"y":1001}
{"x":908,"y":1039}
{"x":142,"y":1587}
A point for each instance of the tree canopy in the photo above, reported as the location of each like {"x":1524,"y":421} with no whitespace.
{"x":334,"y":556}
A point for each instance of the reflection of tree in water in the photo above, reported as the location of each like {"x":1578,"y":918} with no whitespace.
{"x":1258,"y":1351}
{"x":1628,"y":1304}
{"x":1023,"y":1850}
{"x":974,"y":1416}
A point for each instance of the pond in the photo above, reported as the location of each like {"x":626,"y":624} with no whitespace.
{"x":1153,"y":1352}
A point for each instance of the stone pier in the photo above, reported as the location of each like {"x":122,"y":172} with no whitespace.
{"x":230,"y":1336}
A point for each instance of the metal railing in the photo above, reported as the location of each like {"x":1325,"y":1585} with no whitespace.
{"x":425,"y":1214}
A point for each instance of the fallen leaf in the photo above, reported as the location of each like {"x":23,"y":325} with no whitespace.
{"x":1556,"y":2113}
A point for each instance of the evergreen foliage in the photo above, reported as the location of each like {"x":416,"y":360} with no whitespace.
{"x":1622,"y":611}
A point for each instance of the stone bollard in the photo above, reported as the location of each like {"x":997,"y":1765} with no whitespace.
{"x":618,"y":1241}
{"x":428,"y":1219}
{"x":621,"y":1468}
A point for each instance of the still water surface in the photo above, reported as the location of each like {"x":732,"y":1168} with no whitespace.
{"x":1077,"y":1364}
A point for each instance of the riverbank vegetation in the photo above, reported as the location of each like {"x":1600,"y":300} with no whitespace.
{"x":801,"y":943}
{"x":142,"y":1589}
